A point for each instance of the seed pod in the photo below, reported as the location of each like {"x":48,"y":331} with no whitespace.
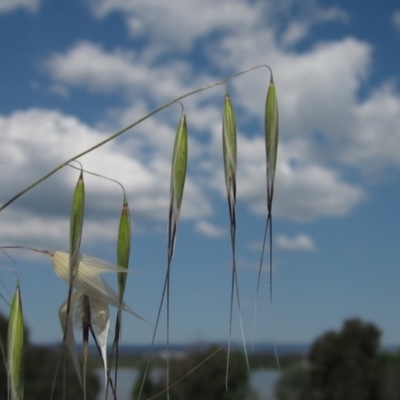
{"x":229,"y":145}
{"x":178,"y":175}
{"x":16,"y":347}
{"x":271,"y":136}
{"x":76,"y":226}
{"x":124,"y":246}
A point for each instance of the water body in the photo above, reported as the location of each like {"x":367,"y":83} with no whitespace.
{"x":262,"y":381}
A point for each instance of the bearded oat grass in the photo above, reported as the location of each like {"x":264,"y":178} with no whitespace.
{"x":229,"y":149}
{"x":123,"y":253}
{"x":76,"y":227}
{"x":89,"y":295}
{"x":124,"y":245}
{"x":271,"y":150}
{"x":124,"y":130}
{"x":75,"y":238}
{"x":178,"y":176}
{"x":88,"y":303}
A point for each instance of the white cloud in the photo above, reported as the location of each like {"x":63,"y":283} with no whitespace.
{"x":209,"y":229}
{"x":12,"y":5}
{"x":88,"y":65}
{"x":317,"y":94}
{"x":35,"y":141}
{"x":297,"y":243}
{"x":177,"y":24}
{"x":313,"y":88}
{"x":50,"y":232}
{"x":120,"y":71}
{"x":294,"y":33}
{"x":312,"y":14}
{"x":375,"y":137}
{"x":396,"y":20}
{"x":304,"y":190}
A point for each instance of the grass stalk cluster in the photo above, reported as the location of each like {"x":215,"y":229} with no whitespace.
{"x":89,"y":295}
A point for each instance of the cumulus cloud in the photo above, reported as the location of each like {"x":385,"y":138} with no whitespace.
{"x":325,"y":127}
{"x":297,"y":243}
{"x":12,"y":5}
{"x":37,"y":140}
{"x":311,"y":14}
{"x":376,"y":133}
{"x":304,"y":190}
{"x":209,"y":229}
{"x":177,"y":24}
{"x":318,"y":96}
{"x":88,"y":65}
{"x":318,"y":189}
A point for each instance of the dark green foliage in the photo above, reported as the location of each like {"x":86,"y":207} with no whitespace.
{"x":342,"y":366}
{"x":391,"y":365}
{"x":40,"y":364}
{"x":292,"y":383}
{"x":345,"y":365}
{"x":208,"y":380}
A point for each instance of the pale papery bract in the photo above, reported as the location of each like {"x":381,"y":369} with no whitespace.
{"x":88,"y":283}
{"x":88,"y":280}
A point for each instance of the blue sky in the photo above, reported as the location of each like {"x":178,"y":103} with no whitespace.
{"x":72,"y":73}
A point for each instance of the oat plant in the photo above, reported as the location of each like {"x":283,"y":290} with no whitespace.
{"x":229,"y":150}
{"x":178,"y":176}
{"x":89,"y":295}
{"x":271,"y":151}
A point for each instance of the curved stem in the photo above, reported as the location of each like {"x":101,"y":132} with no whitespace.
{"x":115,"y":135}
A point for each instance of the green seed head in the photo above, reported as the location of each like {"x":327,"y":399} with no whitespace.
{"x":271,"y":133}
{"x":124,"y":245}
{"x":179,"y":162}
{"x":76,"y":224}
{"x":16,"y":347}
{"x":229,"y":145}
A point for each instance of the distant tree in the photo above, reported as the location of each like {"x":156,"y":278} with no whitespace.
{"x":391,"y":365}
{"x":292,"y":383}
{"x":341,"y":366}
{"x":208,"y":380}
{"x":345,"y":365}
